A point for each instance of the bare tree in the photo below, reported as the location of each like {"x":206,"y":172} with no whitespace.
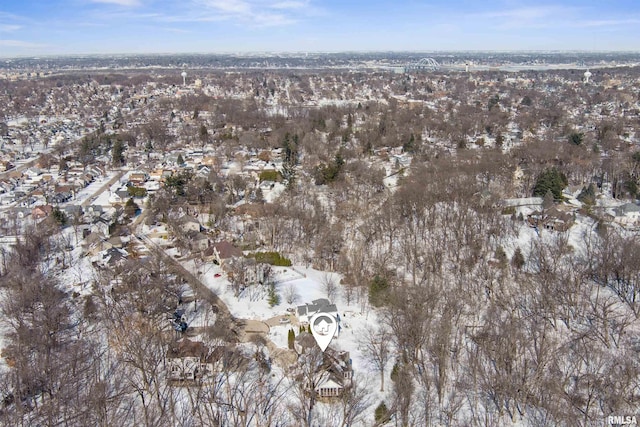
{"x":375,"y":345}
{"x":291,"y":294}
{"x":329,"y":286}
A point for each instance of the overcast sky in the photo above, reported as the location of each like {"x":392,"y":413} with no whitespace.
{"x":37,"y":27}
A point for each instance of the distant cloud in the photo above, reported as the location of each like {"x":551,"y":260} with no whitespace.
{"x":228,"y":6}
{"x":259,"y":13}
{"x":7,"y":28}
{"x":605,"y":23}
{"x":532,"y":16}
{"x":290,"y":5}
{"x":21,"y":44}
{"x":128,"y":3}
{"x":176,"y":30}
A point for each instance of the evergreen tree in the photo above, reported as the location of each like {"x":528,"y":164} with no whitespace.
{"x":117,"y":153}
{"x":576,"y":138}
{"x":410,"y":146}
{"x":204,"y":134}
{"x":501,"y":256}
{"x":273,"y":298}
{"x":130,"y":208}
{"x":291,"y":338}
{"x":378,"y":291}
{"x":550,"y":179}
{"x":59,"y":217}
{"x":381,"y":414}
{"x":588,"y":195}
{"x":518,"y":259}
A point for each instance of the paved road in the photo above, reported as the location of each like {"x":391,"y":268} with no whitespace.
{"x":243,"y":328}
{"x":202,"y":291}
{"x":102,"y":189}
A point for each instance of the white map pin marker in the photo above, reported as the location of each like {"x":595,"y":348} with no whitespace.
{"x":323,"y":328}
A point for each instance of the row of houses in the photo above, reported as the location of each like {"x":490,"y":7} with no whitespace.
{"x":37,"y":186}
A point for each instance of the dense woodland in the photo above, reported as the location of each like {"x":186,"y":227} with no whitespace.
{"x":475,"y":329}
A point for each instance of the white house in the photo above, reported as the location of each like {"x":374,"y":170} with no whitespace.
{"x":627,"y":214}
{"x":189,"y":223}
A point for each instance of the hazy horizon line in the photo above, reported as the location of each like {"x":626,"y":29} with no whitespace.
{"x":320,"y":52}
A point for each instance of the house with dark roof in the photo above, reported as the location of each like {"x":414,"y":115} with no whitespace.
{"x":223,"y":251}
{"x":189,"y":361}
{"x":337,"y":376}
{"x":199,"y":242}
{"x":321,"y":305}
{"x":114,"y":257}
{"x":334,"y":375}
{"x":627,"y":214}
{"x":186,"y":360}
{"x":555,"y":219}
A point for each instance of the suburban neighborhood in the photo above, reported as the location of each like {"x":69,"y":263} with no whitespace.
{"x":168,"y":233}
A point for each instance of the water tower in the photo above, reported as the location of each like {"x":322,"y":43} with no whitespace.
{"x":184,"y":78}
{"x":587,"y":76}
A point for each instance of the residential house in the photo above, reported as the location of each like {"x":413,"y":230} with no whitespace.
{"x":101,"y":225}
{"x":5,"y":165}
{"x":32,"y":174}
{"x":203,"y":171}
{"x":627,"y":214}
{"x":96,"y":170}
{"x":334,"y":375}
{"x":199,"y":242}
{"x":18,"y":212}
{"x":41,"y":212}
{"x":73,"y":211}
{"x":223,"y":251}
{"x":156,"y":175}
{"x":337,"y":375}
{"x":188,"y":223}
{"x":304,"y":342}
{"x":555,"y":219}
{"x":62,"y":194}
{"x":321,"y":305}
{"x":187,"y":360}
{"x":38,"y":197}
{"x":114,"y":257}
{"x":246,"y":271}
{"x":94,"y":243}
{"x":119,"y":197}
{"x":94,"y":210}
{"x":138,"y":178}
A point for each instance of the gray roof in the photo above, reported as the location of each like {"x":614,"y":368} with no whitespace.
{"x":627,"y":208}
{"x":321,"y":305}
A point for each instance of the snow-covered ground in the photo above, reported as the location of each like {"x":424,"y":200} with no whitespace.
{"x":308,"y":284}
{"x":91,"y":189}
